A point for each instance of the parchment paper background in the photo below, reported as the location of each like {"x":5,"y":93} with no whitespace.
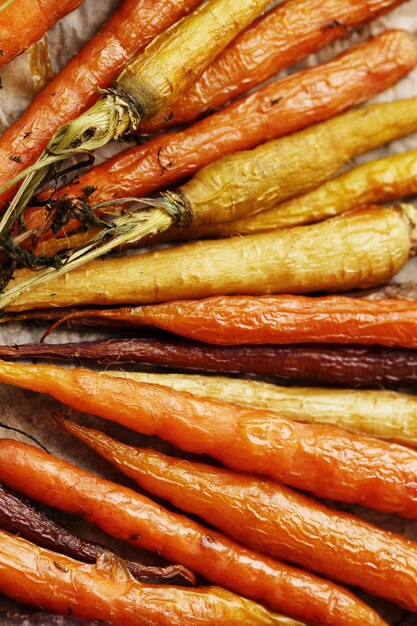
{"x":31,"y":412}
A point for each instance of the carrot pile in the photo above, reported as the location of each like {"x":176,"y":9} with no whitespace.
{"x":288,"y":245}
{"x":300,"y":100}
{"x":143,"y":523}
{"x":131,"y":27}
{"x":295,"y":529}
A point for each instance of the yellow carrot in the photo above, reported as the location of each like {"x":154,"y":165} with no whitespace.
{"x":362,"y":249}
{"x":391,"y":178}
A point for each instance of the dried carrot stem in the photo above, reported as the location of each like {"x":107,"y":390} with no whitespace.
{"x":288,"y":33}
{"x":106,"y":591}
{"x":150,"y":81}
{"x":278,"y":109}
{"x":242,"y":438}
{"x":382,"y":414}
{"x":295,"y":528}
{"x":18,"y":516}
{"x":132,"y":517}
{"x":23,"y":22}
{"x":326,"y":364}
{"x":388,"y":179}
{"x":360,"y":250}
{"x":131,"y":27}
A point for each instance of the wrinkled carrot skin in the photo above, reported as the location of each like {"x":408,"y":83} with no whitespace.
{"x":279,"y":39}
{"x":382,"y":414}
{"x":131,"y":27}
{"x":248,"y":182}
{"x":105,"y":591}
{"x":359,"y":250}
{"x":348,"y":366}
{"x":383,"y":180}
{"x":18,"y":516}
{"x":276,"y":110}
{"x":272,"y":519}
{"x":239,"y":320}
{"x":23,"y":22}
{"x":358,"y":469}
{"x":178,"y":57}
{"x":132,"y":517}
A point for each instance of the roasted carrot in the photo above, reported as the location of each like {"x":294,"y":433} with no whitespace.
{"x":242,"y":438}
{"x":131,"y":27}
{"x":272,"y":519}
{"x":382,"y":414}
{"x":360,"y":250}
{"x":326,"y":364}
{"x":136,"y":519}
{"x":252,"y":181}
{"x":20,"y":517}
{"x":237,"y":320}
{"x":388,"y":179}
{"x":22,"y":22}
{"x":282,"y":37}
{"x":106,"y":591}
{"x":276,"y":110}
{"x":150,"y":81}
{"x":349,"y":366}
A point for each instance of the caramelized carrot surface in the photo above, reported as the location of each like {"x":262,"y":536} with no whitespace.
{"x":132,"y":517}
{"x":239,"y":320}
{"x":276,"y":110}
{"x":18,"y":516}
{"x":282,"y":37}
{"x":23,"y":22}
{"x":358,"y":469}
{"x":106,"y":591}
{"x":326,"y":364}
{"x":272,"y":519}
{"x":359,"y":250}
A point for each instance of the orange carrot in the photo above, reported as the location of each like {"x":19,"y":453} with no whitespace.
{"x":238,"y":320}
{"x":358,"y":469}
{"x":106,"y":591}
{"x":22,"y":22}
{"x":288,"y":33}
{"x":272,"y":519}
{"x":276,"y":110}
{"x":132,"y":517}
{"x":132,"y":26}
